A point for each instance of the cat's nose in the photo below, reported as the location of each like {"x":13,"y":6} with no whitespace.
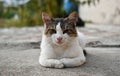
{"x":59,"y":38}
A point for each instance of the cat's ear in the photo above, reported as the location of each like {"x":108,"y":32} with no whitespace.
{"x":46,"y":18}
{"x":73,"y":17}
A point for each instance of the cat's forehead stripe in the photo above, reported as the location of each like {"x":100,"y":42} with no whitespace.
{"x":58,"y":25}
{"x":60,"y":22}
{"x":58,"y":28}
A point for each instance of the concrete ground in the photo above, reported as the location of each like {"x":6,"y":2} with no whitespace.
{"x":19,"y":52}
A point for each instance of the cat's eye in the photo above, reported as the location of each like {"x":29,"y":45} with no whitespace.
{"x":52,"y":31}
{"x":67,"y":31}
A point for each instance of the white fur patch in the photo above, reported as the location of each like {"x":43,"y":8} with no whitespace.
{"x":58,"y":29}
{"x":68,"y":54}
{"x":59,"y":33}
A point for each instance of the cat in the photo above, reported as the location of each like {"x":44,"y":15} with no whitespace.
{"x":62,"y":44}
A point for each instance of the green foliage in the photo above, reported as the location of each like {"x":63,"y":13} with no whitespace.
{"x":8,"y":15}
{"x":14,"y":23}
{"x":8,"y":12}
{"x":30,"y":13}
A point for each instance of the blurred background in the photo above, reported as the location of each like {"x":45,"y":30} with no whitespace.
{"x":19,"y":13}
{"x":104,"y":12}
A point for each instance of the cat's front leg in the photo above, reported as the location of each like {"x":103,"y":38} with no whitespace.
{"x":73,"y":62}
{"x":53,"y":63}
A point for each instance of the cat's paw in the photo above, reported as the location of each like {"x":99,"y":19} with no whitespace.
{"x":83,"y":60}
{"x":59,"y":64}
{"x":63,"y":60}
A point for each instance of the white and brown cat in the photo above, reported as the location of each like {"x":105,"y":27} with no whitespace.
{"x":62,"y":45}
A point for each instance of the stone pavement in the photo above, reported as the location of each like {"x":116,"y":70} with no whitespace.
{"x":19,"y":52}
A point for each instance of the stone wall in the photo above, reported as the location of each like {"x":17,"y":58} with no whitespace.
{"x":104,"y":12}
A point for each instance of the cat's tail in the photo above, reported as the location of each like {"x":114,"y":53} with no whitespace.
{"x":82,"y":41}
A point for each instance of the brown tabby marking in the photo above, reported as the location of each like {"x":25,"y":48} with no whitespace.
{"x":68,"y":25}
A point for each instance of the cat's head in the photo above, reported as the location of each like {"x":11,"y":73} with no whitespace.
{"x":60,"y":30}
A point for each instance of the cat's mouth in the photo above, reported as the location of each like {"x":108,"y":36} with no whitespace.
{"x":59,"y":42}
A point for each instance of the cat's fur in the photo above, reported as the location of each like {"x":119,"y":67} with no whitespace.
{"x":62,"y":45}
